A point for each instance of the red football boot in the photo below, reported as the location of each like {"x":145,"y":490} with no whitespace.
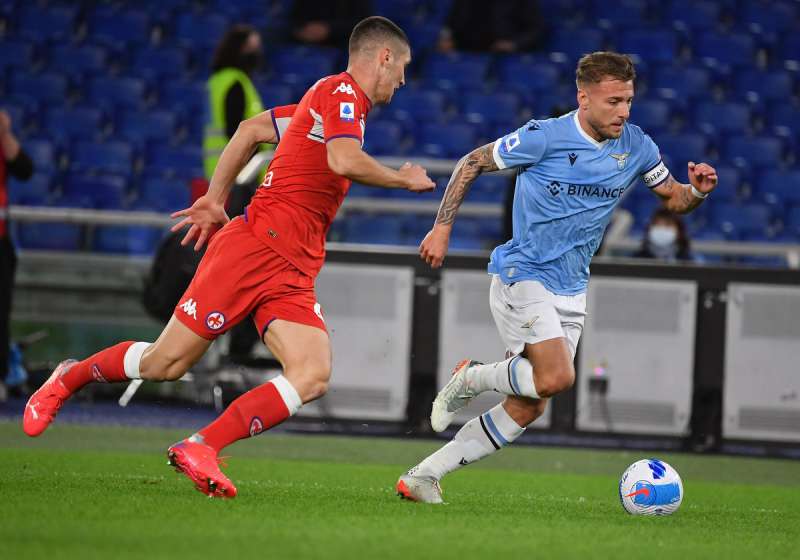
{"x":199,"y":462}
{"x":45,"y":403}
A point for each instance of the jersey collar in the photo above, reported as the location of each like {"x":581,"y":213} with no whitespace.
{"x":583,"y":133}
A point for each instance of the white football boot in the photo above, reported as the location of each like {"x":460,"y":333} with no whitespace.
{"x":453,"y":396}
{"x":424,"y":489}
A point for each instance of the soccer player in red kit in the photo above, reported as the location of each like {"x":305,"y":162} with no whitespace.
{"x":265,"y":261}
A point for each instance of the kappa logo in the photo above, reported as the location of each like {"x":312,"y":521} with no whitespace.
{"x":621,"y":159}
{"x":318,"y":311}
{"x":344,"y":88}
{"x":572,"y":159}
{"x":555,"y":188}
{"x":256,"y":426}
{"x":96,"y":375}
{"x":215,"y":320}
{"x":190,"y":308}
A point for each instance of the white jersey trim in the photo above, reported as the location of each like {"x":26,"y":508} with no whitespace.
{"x":657,"y":175}
{"x":496,"y":154}
{"x":582,"y":132}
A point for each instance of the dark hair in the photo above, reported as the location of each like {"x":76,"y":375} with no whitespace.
{"x":683,"y":244}
{"x":594,"y":68}
{"x":374,"y":29}
{"x":229,"y":50}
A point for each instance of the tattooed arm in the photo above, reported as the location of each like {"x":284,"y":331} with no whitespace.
{"x":681,"y":198}
{"x":434,"y":247}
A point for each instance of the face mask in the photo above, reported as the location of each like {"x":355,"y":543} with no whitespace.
{"x":662,"y":236}
{"x":251,"y":60}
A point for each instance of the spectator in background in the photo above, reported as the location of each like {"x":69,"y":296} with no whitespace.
{"x":15,"y":162}
{"x":665,"y":238}
{"x":327,"y":23}
{"x":502,"y":27}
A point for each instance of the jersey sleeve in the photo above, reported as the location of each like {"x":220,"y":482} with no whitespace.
{"x":525,"y":146}
{"x":654,"y":170}
{"x":340,"y":110}
{"x":281,"y":118}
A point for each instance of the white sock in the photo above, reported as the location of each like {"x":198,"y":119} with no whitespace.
{"x":291,"y":398}
{"x":132,"y":359}
{"x":478,"y":438}
{"x":513,"y":376}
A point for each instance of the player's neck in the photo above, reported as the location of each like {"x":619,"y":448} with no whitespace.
{"x":588,"y":129}
{"x":365,"y":79}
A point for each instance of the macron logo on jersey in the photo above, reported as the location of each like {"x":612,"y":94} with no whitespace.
{"x":347,"y":112}
{"x":344,"y":88}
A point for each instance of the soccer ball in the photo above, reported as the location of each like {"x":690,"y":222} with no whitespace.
{"x":650,"y":487}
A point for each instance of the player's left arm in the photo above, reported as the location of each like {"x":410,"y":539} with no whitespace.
{"x":681,"y":198}
{"x":208,"y":214}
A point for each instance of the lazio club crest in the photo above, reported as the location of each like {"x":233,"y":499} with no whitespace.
{"x":621,"y":159}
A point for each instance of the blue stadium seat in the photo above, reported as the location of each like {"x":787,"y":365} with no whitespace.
{"x":162,"y":195}
{"x":767,"y":17}
{"x":36,"y":191}
{"x":682,"y":148}
{"x":275,"y":95}
{"x":16,"y":54}
{"x":741,"y":220}
{"x":103,"y":191}
{"x":730,"y":183}
{"x":651,"y":115}
{"x":44,"y":88}
{"x":722,"y":118}
{"x":446,"y":140}
{"x":111,"y":27}
{"x":108,"y":157}
{"x":488,"y":188}
{"x":525,"y":75}
{"x":383,"y":138}
{"x":200,"y":30}
{"x":190,"y":97}
{"x":131,"y":240}
{"x":128,"y":93}
{"x":759,"y":85}
{"x":736,"y":49}
{"x":302,"y":65}
{"x":576,"y":42}
{"x":54,"y":23}
{"x":789,"y":49}
{"x":493,"y":108}
{"x":691,"y":15}
{"x":414,"y":105}
{"x":626,"y":14}
{"x":466,"y":235}
{"x":779,"y":187}
{"x":150,"y":126}
{"x":792,"y":222}
{"x":784,"y":120}
{"x":43,"y":154}
{"x":423,"y":36}
{"x":362,"y":191}
{"x":161,"y":63}
{"x":755,"y":151}
{"x":78,"y":123}
{"x":380,"y":229}
{"x":457,"y":70}
{"x":183,"y":163}
{"x":50,"y":236}
{"x":681,"y":82}
{"x":659,"y":46}
{"x":86,"y":59}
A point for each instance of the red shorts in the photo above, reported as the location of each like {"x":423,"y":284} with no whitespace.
{"x":240,"y":275}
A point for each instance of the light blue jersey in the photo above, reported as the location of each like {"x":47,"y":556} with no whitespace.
{"x":568,"y":184}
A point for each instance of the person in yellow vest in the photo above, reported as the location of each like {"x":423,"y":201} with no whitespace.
{"x":232,"y":97}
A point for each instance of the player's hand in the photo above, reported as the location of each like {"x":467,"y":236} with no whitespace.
{"x":5,"y":123}
{"x":416,"y":177}
{"x":703,"y":177}
{"x":433,"y":248}
{"x":205,"y":217}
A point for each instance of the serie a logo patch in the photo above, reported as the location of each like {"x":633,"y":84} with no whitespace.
{"x":347,"y":112}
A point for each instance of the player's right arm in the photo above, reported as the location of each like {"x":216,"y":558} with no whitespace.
{"x":346,"y":158}
{"x":207,"y":214}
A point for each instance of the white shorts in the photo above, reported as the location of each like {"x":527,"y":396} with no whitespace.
{"x":526,"y":313}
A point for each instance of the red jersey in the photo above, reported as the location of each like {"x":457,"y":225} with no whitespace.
{"x":294,"y":207}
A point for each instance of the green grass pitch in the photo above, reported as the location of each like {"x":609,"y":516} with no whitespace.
{"x":93,"y":492}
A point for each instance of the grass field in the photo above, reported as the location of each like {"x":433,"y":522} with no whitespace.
{"x":89,"y":492}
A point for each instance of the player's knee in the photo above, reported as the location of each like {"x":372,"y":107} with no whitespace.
{"x":554,"y":381}
{"x":524,"y":410}
{"x":310,"y":378}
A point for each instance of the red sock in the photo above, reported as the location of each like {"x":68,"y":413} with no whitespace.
{"x":254,"y":412}
{"x":107,"y":366}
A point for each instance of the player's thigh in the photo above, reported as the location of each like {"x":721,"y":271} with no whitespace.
{"x":305,"y":353}
{"x":176,"y":350}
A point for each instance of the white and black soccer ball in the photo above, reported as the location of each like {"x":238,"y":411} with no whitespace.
{"x":650,"y":487}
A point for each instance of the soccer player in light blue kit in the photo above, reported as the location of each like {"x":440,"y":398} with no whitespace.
{"x":572,"y":172}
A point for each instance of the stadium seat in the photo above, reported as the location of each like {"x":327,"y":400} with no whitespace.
{"x":383,"y":138}
{"x":379,"y":229}
{"x":200,"y":30}
{"x":446,"y":140}
{"x":43,"y":154}
{"x":730,"y":183}
{"x":527,"y":76}
{"x":736,"y":49}
{"x":415,"y":106}
{"x":722,"y":118}
{"x":652,"y":46}
{"x":112,"y":27}
{"x":779,"y":188}
{"x":104,"y":191}
{"x":45,"y":88}
{"x":184,"y":95}
{"x":275,"y":95}
{"x":50,"y":236}
{"x":131,"y":240}
{"x":766,"y":18}
{"x":576,"y":42}
{"x":78,"y":123}
{"x":54,"y":23}
{"x":488,"y":188}
{"x":756,"y":151}
{"x":784,"y":120}
{"x":789,"y":49}
{"x":150,"y":126}
{"x":682,"y":148}
{"x":688,"y":15}
{"x":423,"y":36}
{"x":161,"y":63}
{"x":182,"y":163}
{"x":792,"y":222}
{"x":36,"y":191}
{"x":759,"y":85}
{"x":76,"y":61}
{"x":457,"y":70}
{"x":494,"y":108}
{"x":161,"y":195}
{"x":651,"y":115}
{"x":681,"y":82}
{"x":16,"y":54}
{"x":123,"y":93}
{"x":108,"y":157}
{"x":741,"y":220}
